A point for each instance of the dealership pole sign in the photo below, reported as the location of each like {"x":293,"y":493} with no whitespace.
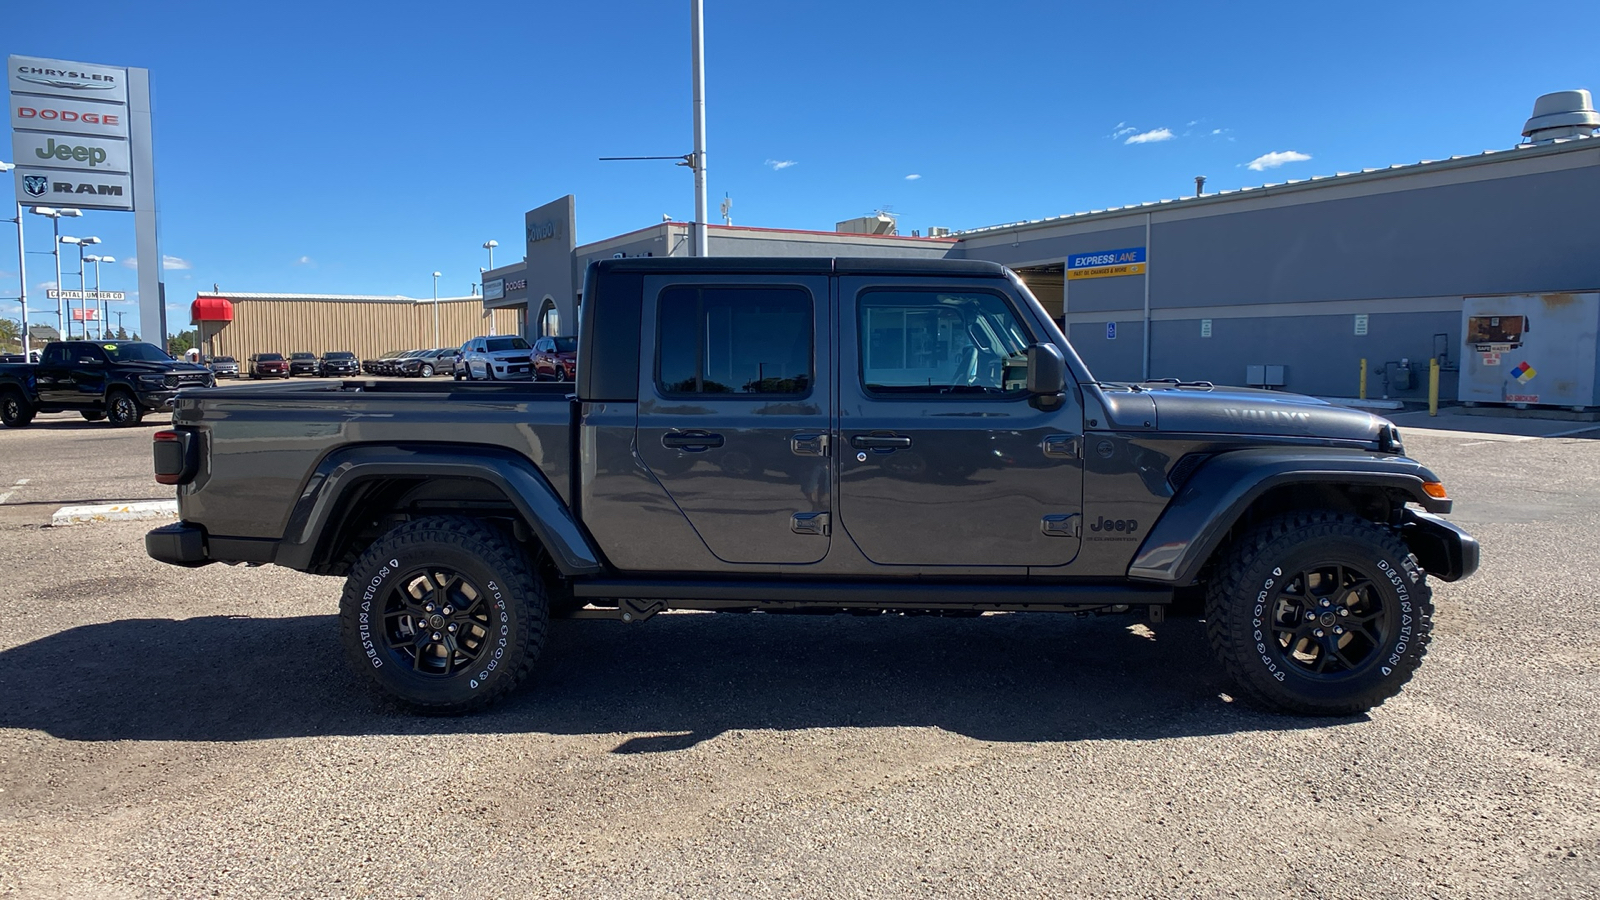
{"x":81,"y":138}
{"x":69,"y":134}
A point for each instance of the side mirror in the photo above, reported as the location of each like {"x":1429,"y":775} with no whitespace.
{"x":1047,"y":376}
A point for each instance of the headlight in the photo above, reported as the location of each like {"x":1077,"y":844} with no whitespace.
{"x":152,"y":381}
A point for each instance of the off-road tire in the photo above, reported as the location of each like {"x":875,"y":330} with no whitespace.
{"x":15,"y":410}
{"x":92,"y":415}
{"x":122,"y":408}
{"x":1252,"y":600}
{"x":512,"y":620}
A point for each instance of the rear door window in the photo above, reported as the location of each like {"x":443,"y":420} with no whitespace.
{"x":734,"y":340}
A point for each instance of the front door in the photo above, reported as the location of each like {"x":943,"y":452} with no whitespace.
{"x":943,"y":459}
{"x":734,"y":415}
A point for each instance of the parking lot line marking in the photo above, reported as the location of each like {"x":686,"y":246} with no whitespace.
{"x":6,"y":496}
{"x":22,"y":481}
{"x":115,"y":512}
{"x":1574,"y":431}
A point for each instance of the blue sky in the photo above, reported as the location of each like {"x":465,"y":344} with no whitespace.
{"x":356,"y":148}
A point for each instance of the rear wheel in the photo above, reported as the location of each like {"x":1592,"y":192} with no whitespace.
{"x":122,"y":409}
{"x":1319,"y":613}
{"x":15,"y":410}
{"x":444,"y":614}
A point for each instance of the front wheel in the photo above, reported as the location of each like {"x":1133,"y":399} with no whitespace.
{"x":15,"y":410}
{"x":427,"y":371}
{"x":122,"y":409}
{"x":444,"y":614}
{"x":1319,"y":613}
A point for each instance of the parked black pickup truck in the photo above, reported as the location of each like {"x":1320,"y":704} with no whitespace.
{"x":118,"y":381}
{"x":789,"y":434}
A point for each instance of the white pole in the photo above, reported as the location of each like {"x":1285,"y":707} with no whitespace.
{"x":83,"y":291}
{"x":698,"y":48}
{"x":22,"y":274}
{"x":1146,"y":368}
{"x":436,"y":309}
{"x":99,"y":303}
{"x":61,"y":315}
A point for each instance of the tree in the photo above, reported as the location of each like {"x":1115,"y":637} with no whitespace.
{"x":10,"y":334}
{"x":122,"y":334}
{"x":182,"y":341}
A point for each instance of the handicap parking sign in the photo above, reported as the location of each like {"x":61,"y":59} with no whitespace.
{"x":1111,"y":331}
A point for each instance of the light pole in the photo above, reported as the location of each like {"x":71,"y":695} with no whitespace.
{"x":61,"y":291}
{"x":489,"y":245}
{"x":22,"y":269}
{"x":55,"y":215}
{"x":698,"y":48}
{"x":436,"y":309}
{"x":83,"y":288}
{"x":100,"y":302}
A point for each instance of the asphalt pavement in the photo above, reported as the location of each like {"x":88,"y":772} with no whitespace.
{"x":181,"y":733}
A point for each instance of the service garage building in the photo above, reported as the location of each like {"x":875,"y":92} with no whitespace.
{"x":1292,"y":285}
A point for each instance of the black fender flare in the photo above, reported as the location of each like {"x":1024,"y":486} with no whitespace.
{"x":513,"y":475}
{"x":1212,"y":500}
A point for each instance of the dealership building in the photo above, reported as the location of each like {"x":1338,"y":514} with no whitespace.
{"x":1488,"y":264}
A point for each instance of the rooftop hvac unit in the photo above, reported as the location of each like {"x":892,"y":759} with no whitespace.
{"x":880,"y":223}
{"x":936,"y":231}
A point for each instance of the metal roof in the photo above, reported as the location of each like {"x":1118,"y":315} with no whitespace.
{"x":341,"y":298}
{"x":1301,"y":184}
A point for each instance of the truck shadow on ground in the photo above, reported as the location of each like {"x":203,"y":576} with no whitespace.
{"x":665,"y":685}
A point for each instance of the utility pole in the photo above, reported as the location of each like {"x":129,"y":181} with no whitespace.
{"x":697,"y":42}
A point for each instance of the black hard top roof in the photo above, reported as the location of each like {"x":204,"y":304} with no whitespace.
{"x":780,"y":265}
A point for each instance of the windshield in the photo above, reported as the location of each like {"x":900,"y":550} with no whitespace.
{"x":269,"y":357}
{"x":339,"y":355}
{"x":302,"y":356}
{"x":224,"y":359}
{"x":566,"y":345}
{"x":139,"y":352}
{"x":498,"y":344}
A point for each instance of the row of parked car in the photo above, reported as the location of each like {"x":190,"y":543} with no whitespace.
{"x":485,"y":358}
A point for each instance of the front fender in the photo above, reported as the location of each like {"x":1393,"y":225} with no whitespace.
{"x":516,"y":477}
{"x":1213,"y":499}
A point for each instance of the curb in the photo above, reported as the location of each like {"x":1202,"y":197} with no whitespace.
{"x":115,"y":512}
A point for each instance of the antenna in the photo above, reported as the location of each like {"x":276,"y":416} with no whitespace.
{"x":727,"y":206}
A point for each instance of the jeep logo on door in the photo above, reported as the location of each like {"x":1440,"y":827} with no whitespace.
{"x":35,"y":185}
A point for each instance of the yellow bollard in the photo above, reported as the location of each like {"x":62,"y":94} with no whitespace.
{"x":1363,"y":378}
{"x":1433,"y":387}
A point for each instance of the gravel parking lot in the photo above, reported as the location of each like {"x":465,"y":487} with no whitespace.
{"x":168,"y":732}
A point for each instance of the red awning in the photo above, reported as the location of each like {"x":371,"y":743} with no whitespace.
{"x":211,"y":309}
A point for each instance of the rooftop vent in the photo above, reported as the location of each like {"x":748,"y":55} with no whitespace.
{"x":1562,"y":115}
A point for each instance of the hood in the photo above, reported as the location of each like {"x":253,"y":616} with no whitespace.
{"x":1244,"y":411}
{"x":173,"y":366}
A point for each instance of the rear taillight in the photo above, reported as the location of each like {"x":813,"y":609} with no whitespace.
{"x":176,"y":459}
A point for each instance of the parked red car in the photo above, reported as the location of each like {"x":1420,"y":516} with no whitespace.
{"x":268,"y":365}
{"x":555,"y":359}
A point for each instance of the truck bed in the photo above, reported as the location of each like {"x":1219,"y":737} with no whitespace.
{"x":267,"y":442}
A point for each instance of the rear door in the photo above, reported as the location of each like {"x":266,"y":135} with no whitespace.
{"x":943,"y":459}
{"x":734,"y":410}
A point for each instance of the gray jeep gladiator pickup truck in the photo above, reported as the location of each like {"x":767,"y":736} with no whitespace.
{"x":820,"y":434}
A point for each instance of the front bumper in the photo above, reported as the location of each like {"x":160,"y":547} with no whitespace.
{"x":1445,"y":551}
{"x":156,"y":401}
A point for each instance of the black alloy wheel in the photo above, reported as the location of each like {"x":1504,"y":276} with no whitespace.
{"x":444,"y":614}
{"x":15,"y":410}
{"x":1319,"y":613}
{"x":122,"y":409}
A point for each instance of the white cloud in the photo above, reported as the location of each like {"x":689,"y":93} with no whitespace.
{"x":1151,"y":137}
{"x":173,"y":262}
{"x":1193,"y":124}
{"x":43,"y":286}
{"x":305,"y":261}
{"x":1277,"y":158}
{"x":779,"y":165}
{"x":912,"y":177}
{"x":130,"y":262}
{"x":1123,"y":129}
